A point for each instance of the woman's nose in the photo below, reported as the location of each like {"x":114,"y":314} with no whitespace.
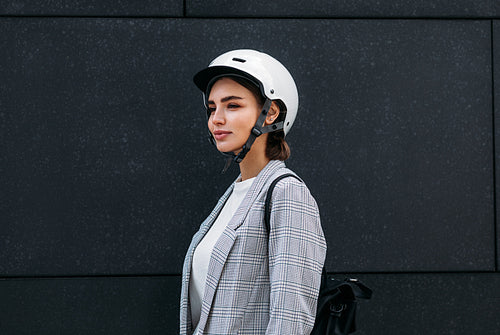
{"x":218,"y":116}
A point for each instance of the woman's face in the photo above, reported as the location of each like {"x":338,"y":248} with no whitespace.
{"x":233,"y":112}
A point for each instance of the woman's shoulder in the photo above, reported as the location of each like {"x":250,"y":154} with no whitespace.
{"x":288,"y":184}
{"x":290,"y":187}
{"x":284,"y":174}
{"x":291,"y":194}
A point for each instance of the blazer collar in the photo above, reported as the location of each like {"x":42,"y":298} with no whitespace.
{"x":262,"y":180}
{"x":253,"y":193}
{"x":225,"y":243}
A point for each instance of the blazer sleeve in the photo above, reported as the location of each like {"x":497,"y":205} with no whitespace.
{"x":297,"y":251}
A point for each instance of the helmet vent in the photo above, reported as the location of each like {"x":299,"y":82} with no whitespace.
{"x":239,"y":60}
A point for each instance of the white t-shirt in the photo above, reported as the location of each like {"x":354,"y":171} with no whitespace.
{"x":203,"y":251}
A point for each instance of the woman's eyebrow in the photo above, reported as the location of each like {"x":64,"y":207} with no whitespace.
{"x":226,"y":99}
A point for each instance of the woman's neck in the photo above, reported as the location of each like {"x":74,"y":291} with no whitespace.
{"x":255,"y":160}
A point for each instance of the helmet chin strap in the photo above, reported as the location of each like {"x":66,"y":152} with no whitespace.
{"x":257,"y":130}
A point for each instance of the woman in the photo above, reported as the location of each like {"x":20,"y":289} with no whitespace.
{"x":238,"y":278}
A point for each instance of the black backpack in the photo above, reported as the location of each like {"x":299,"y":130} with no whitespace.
{"x":337,"y":299}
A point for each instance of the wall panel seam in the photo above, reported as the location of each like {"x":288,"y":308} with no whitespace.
{"x":495,"y":223}
{"x":335,"y":274}
{"x":184,"y":15}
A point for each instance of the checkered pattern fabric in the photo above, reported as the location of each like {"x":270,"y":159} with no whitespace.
{"x":260,"y":284}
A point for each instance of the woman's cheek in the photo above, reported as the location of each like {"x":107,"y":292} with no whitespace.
{"x":210,"y":125}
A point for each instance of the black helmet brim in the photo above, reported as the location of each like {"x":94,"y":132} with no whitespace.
{"x":205,"y":78}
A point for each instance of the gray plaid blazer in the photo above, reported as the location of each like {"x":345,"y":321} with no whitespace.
{"x":260,"y":284}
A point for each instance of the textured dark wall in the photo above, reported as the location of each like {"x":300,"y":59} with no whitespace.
{"x":172,"y":8}
{"x":345,"y":8}
{"x":496,"y":94}
{"x":105,"y":171}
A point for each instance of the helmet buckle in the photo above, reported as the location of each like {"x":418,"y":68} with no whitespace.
{"x":256,"y":132}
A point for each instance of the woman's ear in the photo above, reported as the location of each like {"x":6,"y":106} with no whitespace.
{"x":272,"y":115}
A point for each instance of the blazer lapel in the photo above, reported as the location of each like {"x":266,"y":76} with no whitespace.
{"x":253,"y":193}
{"x":225,"y":243}
{"x":217,"y":260}
{"x":185,"y":312}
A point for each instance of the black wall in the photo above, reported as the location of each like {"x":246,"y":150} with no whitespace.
{"x":105,"y":171}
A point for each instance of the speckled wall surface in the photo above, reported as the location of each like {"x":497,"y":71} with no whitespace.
{"x":105,"y":170}
{"x":106,"y":8}
{"x":345,"y":8}
{"x":496,"y":93}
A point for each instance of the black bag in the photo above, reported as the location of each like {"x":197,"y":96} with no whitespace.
{"x":337,"y":300}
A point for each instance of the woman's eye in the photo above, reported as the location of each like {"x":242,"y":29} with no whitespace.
{"x":210,"y":110}
{"x":232,"y":106}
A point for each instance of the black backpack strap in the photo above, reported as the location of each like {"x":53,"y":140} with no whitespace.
{"x":267,"y":205}
{"x":337,"y":299}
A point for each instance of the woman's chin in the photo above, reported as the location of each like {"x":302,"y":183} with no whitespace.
{"x":227,"y":148}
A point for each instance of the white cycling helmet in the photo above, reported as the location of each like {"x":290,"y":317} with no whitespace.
{"x":273,"y":79}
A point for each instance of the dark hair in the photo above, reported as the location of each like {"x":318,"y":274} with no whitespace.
{"x":276,"y":146}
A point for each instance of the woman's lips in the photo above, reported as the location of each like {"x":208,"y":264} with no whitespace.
{"x":221,"y":134}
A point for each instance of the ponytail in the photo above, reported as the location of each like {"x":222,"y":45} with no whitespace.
{"x":277,"y":148}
